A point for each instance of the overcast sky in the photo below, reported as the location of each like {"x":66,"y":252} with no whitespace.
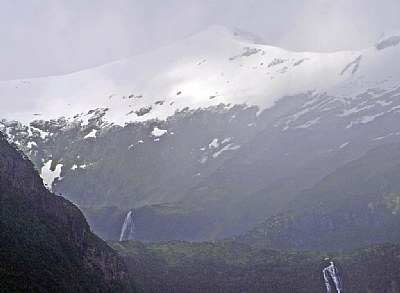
{"x":48,"y":37}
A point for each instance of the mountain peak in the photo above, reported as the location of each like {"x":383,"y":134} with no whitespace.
{"x":247,"y":36}
{"x":235,"y":33}
{"x":214,"y":66}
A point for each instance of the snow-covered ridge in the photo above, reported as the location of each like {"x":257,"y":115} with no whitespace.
{"x":209,"y":68}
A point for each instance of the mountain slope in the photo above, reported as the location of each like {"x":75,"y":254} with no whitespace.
{"x":214,"y":164}
{"x":354,"y":206}
{"x":46,"y":244}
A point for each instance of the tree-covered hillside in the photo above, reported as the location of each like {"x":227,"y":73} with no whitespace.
{"x":233,"y":267}
{"x":45,"y":243}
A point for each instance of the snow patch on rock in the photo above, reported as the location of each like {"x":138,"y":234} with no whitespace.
{"x":91,"y":133}
{"x":49,"y":175}
{"x":157,"y":132}
{"x":229,"y":147}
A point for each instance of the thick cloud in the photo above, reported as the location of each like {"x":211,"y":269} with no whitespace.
{"x":55,"y":37}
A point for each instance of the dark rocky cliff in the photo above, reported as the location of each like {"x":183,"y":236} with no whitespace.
{"x":46,"y":243}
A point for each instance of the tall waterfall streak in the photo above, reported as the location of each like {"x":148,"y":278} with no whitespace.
{"x":128,"y":228}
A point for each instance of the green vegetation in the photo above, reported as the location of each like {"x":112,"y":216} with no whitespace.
{"x":38,"y":256}
{"x":233,"y":267}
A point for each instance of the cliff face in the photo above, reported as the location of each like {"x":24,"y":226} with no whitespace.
{"x":46,"y":243}
{"x":326,"y":230}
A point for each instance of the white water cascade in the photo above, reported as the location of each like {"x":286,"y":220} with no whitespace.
{"x":128,"y":228}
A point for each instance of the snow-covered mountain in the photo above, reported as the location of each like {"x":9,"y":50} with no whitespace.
{"x":212,"y":67}
{"x":206,"y":137}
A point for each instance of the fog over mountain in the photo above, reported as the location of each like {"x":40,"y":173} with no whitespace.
{"x":213,"y":146}
{"x":40,"y":38}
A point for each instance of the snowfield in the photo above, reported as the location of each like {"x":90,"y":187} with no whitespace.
{"x":212,"y":67}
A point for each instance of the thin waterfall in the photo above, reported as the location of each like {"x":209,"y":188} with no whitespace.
{"x":128,"y":228}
